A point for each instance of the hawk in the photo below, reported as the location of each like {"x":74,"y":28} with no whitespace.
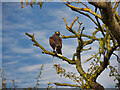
{"x":56,"y":42}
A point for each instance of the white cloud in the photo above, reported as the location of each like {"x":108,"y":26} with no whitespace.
{"x":29,"y":68}
{"x":22,"y":50}
{"x":105,"y":80}
{"x":62,"y":12}
{"x":49,"y":74}
{"x":68,"y":50}
{"x":41,"y":37}
{"x":9,"y":41}
{"x":10,"y":63}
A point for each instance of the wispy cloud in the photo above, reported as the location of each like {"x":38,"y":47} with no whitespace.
{"x":29,"y":68}
{"x":10,"y":63}
{"x":22,"y":50}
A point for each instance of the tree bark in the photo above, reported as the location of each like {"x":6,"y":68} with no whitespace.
{"x":108,"y":18}
{"x":96,"y":86}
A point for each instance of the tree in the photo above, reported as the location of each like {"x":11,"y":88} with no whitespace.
{"x":108,"y":43}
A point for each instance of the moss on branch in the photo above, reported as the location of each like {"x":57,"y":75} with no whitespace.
{"x":64,"y":84}
{"x":105,"y":63}
{"x":70,"y":28}
{"x":84,"y":9}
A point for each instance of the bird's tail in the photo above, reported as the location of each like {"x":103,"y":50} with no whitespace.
{"x":54,"y":52}
{"x":59,"y":50}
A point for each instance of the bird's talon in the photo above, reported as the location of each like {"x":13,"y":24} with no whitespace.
{"x":59,"y":54}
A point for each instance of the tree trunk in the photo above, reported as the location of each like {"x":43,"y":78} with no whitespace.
{"x":109,"y":19}
{"x":96,"y":86}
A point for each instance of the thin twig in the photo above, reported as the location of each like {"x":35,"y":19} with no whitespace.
{"x":84,"y":9}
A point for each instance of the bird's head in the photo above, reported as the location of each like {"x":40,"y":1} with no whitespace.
{"x":57,"y":33}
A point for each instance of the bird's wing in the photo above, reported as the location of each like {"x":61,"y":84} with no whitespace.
{"x":52,"y":42}
{"x":59,"y":51}
{"x":59,"y":45}
{"x":61,"y":42}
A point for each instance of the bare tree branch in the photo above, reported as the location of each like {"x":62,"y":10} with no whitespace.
{"x":64,"y":84}
{"x":92,"y":57}
{"x":117,"y":17}
{"x":85,"y":15}
{"x":70,"y":28}
{"x":84,"y":9}
{"x":78,"y":61}
{"x":105,"y":63}
{"x":100,"y":26}
{"x":84,"y":4}
{"x":74,"y":22}
{"x":83,"y":35}
{"x":49,"y":53}
{"x":65,"y":37}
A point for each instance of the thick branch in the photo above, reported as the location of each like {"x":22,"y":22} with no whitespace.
{"x":49,"y":53}
{"x":111,"y":22}
{"x":65,"y":37}
{"x":83,"y":35}
{"x":64,"y":84}
{"x":78,"y":61}
{"x":96,"y":86}
{"x":80,"y":69}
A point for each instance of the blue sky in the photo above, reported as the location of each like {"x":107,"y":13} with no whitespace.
{"x":21,"y":61}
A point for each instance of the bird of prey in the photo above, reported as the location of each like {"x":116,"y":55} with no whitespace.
{"x":56,"y":42}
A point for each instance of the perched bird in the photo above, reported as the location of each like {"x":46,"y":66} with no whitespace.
{"x":56,"y":42}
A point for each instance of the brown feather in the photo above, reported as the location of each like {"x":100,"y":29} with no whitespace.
{"x":56,"y":43}
{"x":52,"y":42}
